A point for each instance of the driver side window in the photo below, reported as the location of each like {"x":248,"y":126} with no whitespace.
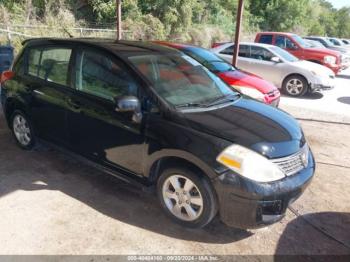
{"x":284,"y":42}
{"x":260,"y":53}
{"x":99,"y":75}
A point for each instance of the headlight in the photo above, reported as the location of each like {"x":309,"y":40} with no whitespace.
{"x":250,"y":164}
{"x":248,"y":91}
{"x":330,"y":59}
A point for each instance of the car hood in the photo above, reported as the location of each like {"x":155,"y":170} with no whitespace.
{"x":340,"y":49}
{"x":324,"y":51}
{"x":265,"y":129}
{"x":320,"y":70}
{"x":245,"y":79}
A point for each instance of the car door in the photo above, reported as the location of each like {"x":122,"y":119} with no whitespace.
{"x":258,"y":61}
{"x":97,"y":130}
{"x":47,"y":79}
{"x":287,"y":44}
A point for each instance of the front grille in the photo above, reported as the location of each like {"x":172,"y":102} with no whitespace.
{"x":292,"y":164}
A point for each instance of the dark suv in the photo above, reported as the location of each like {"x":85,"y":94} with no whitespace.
{"x":153,"y":115}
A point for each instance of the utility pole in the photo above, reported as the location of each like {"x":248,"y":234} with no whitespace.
{"x":238,"y":31}
{"x":119,"y":19}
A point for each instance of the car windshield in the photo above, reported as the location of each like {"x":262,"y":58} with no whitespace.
{"x":316,"y":44}
{"x":181,"y":80}
{"x":284,"y":54}
{"x":301,"y":41}
{"x":329,"y":43}
{"x":209,"y":60}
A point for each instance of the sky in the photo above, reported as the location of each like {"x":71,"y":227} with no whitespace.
{"x":340,"y":3}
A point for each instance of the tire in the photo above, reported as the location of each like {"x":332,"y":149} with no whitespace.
{"x":192,"y":206}
{"x":22,"y":130}
{"x":295,"y":85}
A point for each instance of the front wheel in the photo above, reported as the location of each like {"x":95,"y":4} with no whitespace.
{"x":295,"y":85}
{"x":22,"y":130}
{"x":186,"y":198}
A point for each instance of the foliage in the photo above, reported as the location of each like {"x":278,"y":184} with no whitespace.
{"x":196,"y":21}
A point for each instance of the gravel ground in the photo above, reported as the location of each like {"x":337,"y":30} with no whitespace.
{"x":53,"y":204}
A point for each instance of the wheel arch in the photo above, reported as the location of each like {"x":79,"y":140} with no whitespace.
{"x":296,"y":74}
{"x":12,"y":104}
{"x":176,"y":158}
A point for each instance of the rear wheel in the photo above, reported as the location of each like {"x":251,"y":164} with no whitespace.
{"x":295,"y":85}
{"x":22,"y":130}
{"x":186,"y":198}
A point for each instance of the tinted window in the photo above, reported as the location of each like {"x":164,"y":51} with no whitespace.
{"x":99,"y":75}
{"x":266,"y":39}
{"x":243,"y":51}
{"x":50,"y":64}
{"x":260,"y":53}
{"x":228,"y":50}
{"x":284,"y":42}
{"x":34,"y":62}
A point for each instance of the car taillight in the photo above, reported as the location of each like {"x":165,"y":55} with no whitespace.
{"x":6,"y":75}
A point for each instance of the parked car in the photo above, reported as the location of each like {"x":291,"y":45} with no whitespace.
{"x":339,"y":42}
{"x":295,"y":77}
{"x":246,"y":83}
{"x":314,"y":44}
{"x":295,"y":45}
{"x":346,"y":41}
{"x":345,"y":53}
{"x":6,"y":57}
{"x":154,"y":116}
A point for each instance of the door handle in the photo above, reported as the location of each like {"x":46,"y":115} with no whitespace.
{"x":73,"y":103}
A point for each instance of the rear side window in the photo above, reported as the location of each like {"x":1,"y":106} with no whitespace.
{"x":266,"y":39}
{"x":243,"y":51}
{"x":227,"y":51}
{"x":99,"y":75}
{"x":50,"y":64}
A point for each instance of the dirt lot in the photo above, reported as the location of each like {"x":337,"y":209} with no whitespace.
{"x":53,"y":204}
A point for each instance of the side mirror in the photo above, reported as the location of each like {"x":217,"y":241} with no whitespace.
{"x":276,"y":59}
{"x":129,"y":104}
{"x":293,"y":47}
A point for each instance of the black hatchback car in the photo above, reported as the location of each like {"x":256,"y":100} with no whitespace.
{"x":151,"y":114}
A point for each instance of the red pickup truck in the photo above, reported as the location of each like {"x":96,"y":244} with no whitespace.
{"x":297,"y":46}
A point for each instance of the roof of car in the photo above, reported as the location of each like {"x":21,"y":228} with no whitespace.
{"x":275,"y":33}
{"x":111,"y":44}
{"x":244,"y":43}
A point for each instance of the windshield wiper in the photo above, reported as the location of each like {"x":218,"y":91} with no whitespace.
{"x":223,"y":99}
{"x":190,"y":105}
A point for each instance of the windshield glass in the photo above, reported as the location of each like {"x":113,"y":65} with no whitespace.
{"x":284,"y":54}
{"x":316,"y":44}
{"x":180,"y":79}
{"x":301,"y":41}
{"x":209,"y":60}
{"x":329,"y":43}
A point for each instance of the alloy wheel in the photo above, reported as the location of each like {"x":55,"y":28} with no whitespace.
{"x":182,"y":197}
{"x":21,"y":130}
{"x":294,"y":86}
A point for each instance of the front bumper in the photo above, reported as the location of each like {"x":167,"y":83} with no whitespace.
{"x":335,"y":68}
{"x":321,"y":84}
{"x":248,"y":204}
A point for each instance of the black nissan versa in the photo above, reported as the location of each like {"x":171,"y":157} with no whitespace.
{"x":152,"y":115}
